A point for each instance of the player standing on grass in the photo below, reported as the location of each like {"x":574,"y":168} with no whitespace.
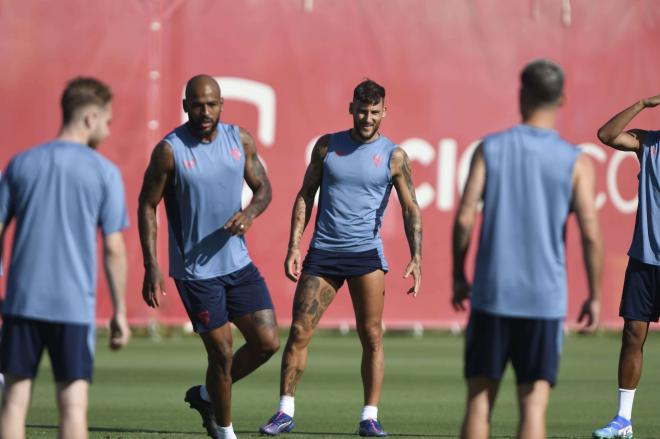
{"x":60,"y":193}
{"x":355,"y":171}
{"x":529,"y":179}
{"x":199,"y":169}
{"x":640,"y":301}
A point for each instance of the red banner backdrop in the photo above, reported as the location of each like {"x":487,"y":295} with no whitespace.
{"x":287,"y":69}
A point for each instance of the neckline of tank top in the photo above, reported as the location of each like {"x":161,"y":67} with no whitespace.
{"x":360,"y":144}
{"x":537,"y":130}
{"x":190,"y":135}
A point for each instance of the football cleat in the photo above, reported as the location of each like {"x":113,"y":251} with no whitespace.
{"x":618,"y":428}
{"x":279,"y":423}
{"x":371,"y":427}
{"x":205,"y":409}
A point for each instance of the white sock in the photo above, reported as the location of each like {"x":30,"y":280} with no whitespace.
{"x":227,"y":432}
{"x":287,"y":405}
{"x":369,"y":412}
{"x":626,"y":398}
{"x":204,"y":393}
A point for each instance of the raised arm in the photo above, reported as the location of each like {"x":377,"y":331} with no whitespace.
{"x":412,"y":215}
{"x":584,"y":205}
{"x":613,"y":134}
{"x":465,"y":217}
{"x":302,"y":207}
{"x":256,"y":177}
{"x":156,"y":178}
{"x":114,"y":257}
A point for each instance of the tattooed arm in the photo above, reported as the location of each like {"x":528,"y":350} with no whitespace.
{"x":302,"y":207}
{"x":465,"y":216}
{"x":257,"y":179}
{"x":412,"y":215}
{"x":156,"y":178}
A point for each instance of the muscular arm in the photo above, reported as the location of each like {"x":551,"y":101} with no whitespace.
{"x":412,"y":215}
{"x":302,"y":207}
{"x":613,"y":134}
{"x":114,"y":257}
{"x":156,"y":178}
{"x":463,"y":223}
{"x":584,"y":182}
{"x":257,"y":179}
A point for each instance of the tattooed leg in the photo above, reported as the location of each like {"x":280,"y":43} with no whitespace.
{"x":313,"y":296}
{"x":261,"y":342}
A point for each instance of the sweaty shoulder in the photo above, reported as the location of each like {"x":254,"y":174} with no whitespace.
{"x":324,"y":143}
{"x":397,"y":155}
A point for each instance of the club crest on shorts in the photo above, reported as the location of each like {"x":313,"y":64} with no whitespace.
{"x":204,"y":317}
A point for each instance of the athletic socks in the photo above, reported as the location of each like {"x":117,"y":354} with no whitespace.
{"x":287,"y":405}
{"x":227,"y":432}
{"x":204,"y":393}
{"x":626,"y":398}
{"x":369,"y":412}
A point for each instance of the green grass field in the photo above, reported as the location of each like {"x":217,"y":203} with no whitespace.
{"x":138,"y":393}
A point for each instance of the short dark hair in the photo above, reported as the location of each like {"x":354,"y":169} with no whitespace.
{"x":542,"y":82}
{"x":368,"y":91}
{"x":81,"y":92}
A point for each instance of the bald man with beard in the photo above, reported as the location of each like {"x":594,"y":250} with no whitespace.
{"x":199,"y":169}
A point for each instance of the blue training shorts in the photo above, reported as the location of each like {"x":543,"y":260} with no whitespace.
{"x":532,"y":345}
{"x":211,"y":303}
{"x":641,"y":292}
{"x":339,"y":266}
{"x":69,"y":345}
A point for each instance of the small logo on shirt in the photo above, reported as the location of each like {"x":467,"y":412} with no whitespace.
{"x":235,"y":153}
{"x":377,"y":159}
{"x":204,"y":317}
{"x":654,"y":150}
{"x":189,"y":164}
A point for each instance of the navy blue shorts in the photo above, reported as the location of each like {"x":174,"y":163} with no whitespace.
{"x":641,"y":292}
{"x":532,"y":345}
{"x":69,"y":346}
{"x":339,"y":266}
{"x":211,"y":303}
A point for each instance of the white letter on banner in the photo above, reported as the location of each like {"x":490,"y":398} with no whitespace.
{"x":446,"y":174}
{"x":624,"y":206}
